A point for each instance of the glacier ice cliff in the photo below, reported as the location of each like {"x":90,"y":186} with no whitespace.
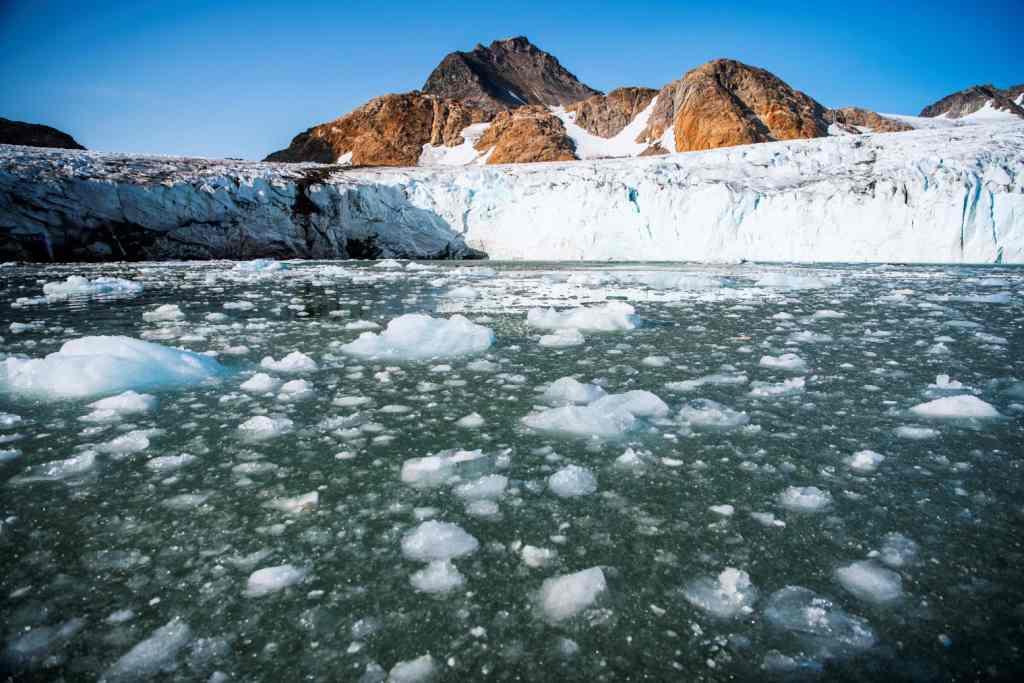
{"x":953,"y":195}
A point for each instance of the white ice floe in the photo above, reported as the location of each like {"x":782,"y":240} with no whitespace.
{"x":306,"y":502}
{"x":953,"y":407}
{"x":439,"y":576}
{"x":871,"y":583}
{"x":609,"y":317}
{"x":488,"y":486}
{"x":535,"y":557}
{"x":916,"y":433}
{"x":417,"y":670}
{"x":164,"y":313}
{"x":295,"y":390}
{"x":568,"y":391}
{"x":437,"y":469}
{"x":805,"y":499}
{"x":78,"y":286}
{"x":417,"y":337}
{"x":433,"y":540}
{"x":864,"y":461}
{"x":362,"y":325}
{"x":562,"y":339}
{"x":59,"y":470}
{"x":296,"y":361}
{"x":168,"y":463}
{"x":795,"y":280}
{"x":260,"y":383}
{"x":154,"y":655}
{"x":572,"y":481}
{"x":89,"y":366}
{"x":565,"y":596}
{"x":471,"y":421}
{"x":126,"y":403}
{"x":610,"y":416}
{"x":728,"y":595}
{"x":463,"y":293}
{"x":273,"y":579}
{"x":826,"y":627}
{"x":898,"y":550}
{"x":260,"y":427}
{"x":767,"y":390}
{"x":710,"y":415}
{"x":787,"y":361}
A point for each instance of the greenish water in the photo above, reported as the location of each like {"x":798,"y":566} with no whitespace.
{"x":120,"y":539}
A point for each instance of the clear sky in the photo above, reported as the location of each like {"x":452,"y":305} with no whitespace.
{"x":223,"y":78}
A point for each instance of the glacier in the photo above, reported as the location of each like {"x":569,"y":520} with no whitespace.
{"x":941,"y":195}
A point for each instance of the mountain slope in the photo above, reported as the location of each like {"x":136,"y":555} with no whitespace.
{"x":34,"y":135}
{"x":978,"y":100}
{"x":505,"y":75}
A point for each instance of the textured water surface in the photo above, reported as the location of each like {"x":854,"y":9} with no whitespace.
{"x":749,"y":540}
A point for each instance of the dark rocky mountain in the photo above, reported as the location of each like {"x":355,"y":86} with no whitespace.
{"x":34,"y":135}
{"x":972,"y":99}
{"x":606,"y":115}
{"x":865,"y":118}
{"x":505,"y":75}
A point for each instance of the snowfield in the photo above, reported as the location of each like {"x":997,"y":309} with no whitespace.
{"x":947,"y":194}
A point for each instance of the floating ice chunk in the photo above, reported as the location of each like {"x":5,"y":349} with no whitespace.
{"x":482,"y":365}
{"x":864,"y":461}
{"x":465,"y":293}
{"x":805,"y":499}
{"x":898,"y":550}
{"x":565,"y":596}
{"x":483,"y":508}
{"x":154,"y":655}
{"x":296,"y":361}
{"x":568,"y":390}
{"x":168,"y":463}
{"x":76,"y":285}
{"x":610,"y":317}
{"x":638,"y":402}
{"x":916,"y":433}
{"x":871,"y":583}
{"x":787,"y":361}
{"x":572,"y":481}
{"x":8,"y":420}
{"x":717,"y":379}
{"x":238,"y":305}
{"x":126,"y":403}
{"x":723,"y":510}
{"x":608,"y":417}
{"x":537,"y":557}
{"x":362,"y":325}
{"x":415,"y":337}
{"x":439,"y":576}
{"x":944,"y":383}
{"x":164,"y":313}
{"x":433,"y":540}
{"x":767,"y":519}
{"x":273,"y":579}
{"x":655,"y":361}
{"x":490,"y":486}
{"x":186,"y":501}
{"x":707,"y":414}
{"x":827,"y":627}
{"x":809,"y":337}
{"x":261,"y":427}
{"x":104,"y":365}
{"x":129,"y":442}
{"x":260,"y":265}
{"x":437,"y":469}
{"x":766,"y":390}
{"x":9,"y":455}
{"x":296,"y":505}
{"x":295,"y":390}
{"x":260,"y":383}
{"x":953,"y":407}
{"x":413,"y":671}
{"x":726,"y":596}
{"x":562,"y":339}
{"x":471,"y":421}
{"x":827,"y":314}
{"x":629,"y":460}
{"x":59,"y":470}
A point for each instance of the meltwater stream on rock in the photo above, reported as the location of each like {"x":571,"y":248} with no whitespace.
{"x":355,"y":471}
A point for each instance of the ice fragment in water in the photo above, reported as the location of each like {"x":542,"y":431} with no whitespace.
{"x":439,"y":576}
{"x":434,"y":540}
{"x":953,"y":407}
{"x":805,"y":499}
{"x":413,"y":671}
{"x":572,"y":481}
{"x":155,"y":654}
{"x":273,"y":579}
{"x":728,"y":595}
{"x":825,"y":627}
{"x":864,"y":461}
{"x":415,"y":337}
{"x":568,"y":390}
{"x":296,"y":361}
{"x":610,"y":317}
{"x":565,"y":596}
{"x":871,"y":583}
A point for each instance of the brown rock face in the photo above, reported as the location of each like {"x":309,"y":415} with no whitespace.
{"x":505,"y":75}
{"x":974,"y":98}
{"x":724,"y":103}
{"x":607,"y":115}
{"x":864,"y":118}
{"x":34,"y":135}
{"x":386,"y":131}
{"x":525,"y":135}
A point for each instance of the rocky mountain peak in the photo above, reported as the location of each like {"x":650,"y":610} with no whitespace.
{"x":34,"y":135}
{"x":504,"y":75}
{"x":972,"y":99}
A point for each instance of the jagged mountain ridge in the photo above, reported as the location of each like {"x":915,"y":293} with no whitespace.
{"x":976,"y":98}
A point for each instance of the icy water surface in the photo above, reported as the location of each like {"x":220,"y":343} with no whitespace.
{"x":758,"y":515}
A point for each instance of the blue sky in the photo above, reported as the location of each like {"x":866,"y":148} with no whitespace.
{"x":226,"y":78}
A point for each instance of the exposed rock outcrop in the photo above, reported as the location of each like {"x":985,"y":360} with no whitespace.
{"x":725,"y":102}
{"x":386,"y":131}
{"x":34,"y":135}
{"x":525,"y":135}
{"x":505,"y":75}
{"x":865,"y":118}
{"x":606,"y":115}
{"x":972,"y":99}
